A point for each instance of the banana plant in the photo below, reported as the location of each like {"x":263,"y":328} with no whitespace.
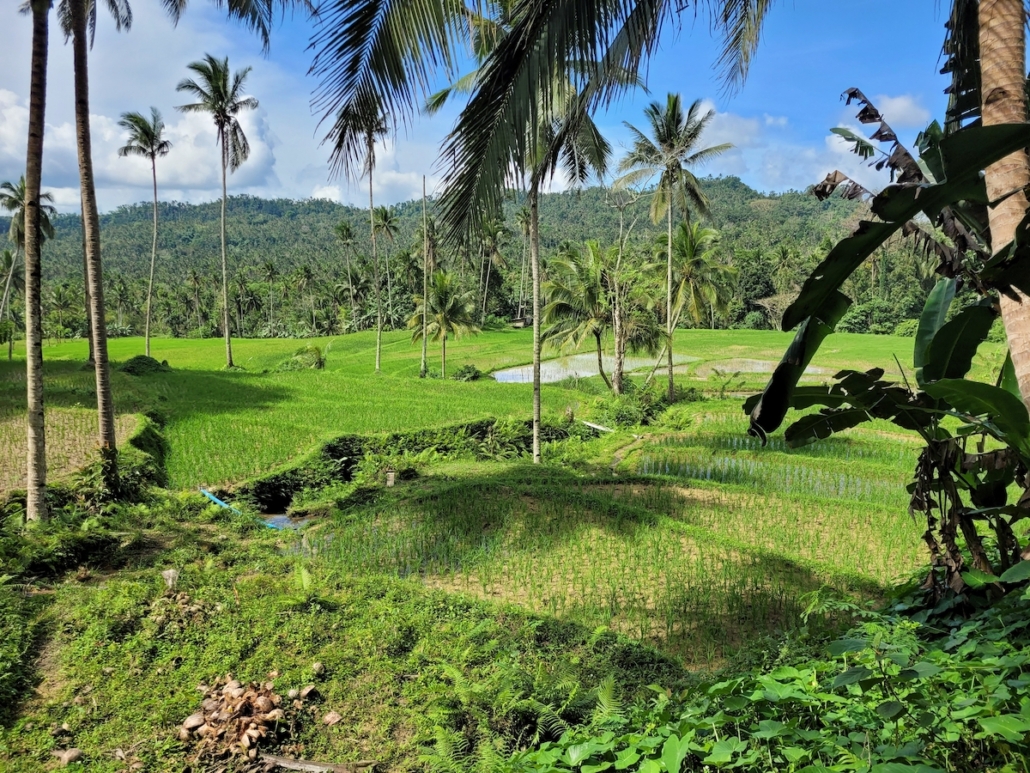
{"x":965,"y":472}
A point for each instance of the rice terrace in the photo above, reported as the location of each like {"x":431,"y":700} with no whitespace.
{"x":396,"y":386}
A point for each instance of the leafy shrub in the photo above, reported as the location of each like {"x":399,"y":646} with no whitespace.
{"x":892,"y":695}
{"x":467,"y":373}
{"x":308,"y":357}
{"x":997,"y":332}
{"x":754,"y":320}
{"x":141,"y":365}
{"x":907,"y":328}
{"x":874,"y":316}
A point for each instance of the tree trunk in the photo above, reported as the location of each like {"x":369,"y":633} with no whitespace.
{"x":222,"y":140}
{"x":90,"y":359}
{"x":618,"y":321}
{"x":534,"y":267}
{"x":375,"y":263}
{"x":424,"y":368}
{"x":668,"y":300}
{"x":153,"y":258}
{"x":522,"y":282}
{"x":105,"y":404}
{"x":1003,"y":76}
{"x":486,"y":287}
{"x":443,"y":356}
{"x":389,"y":289}
{"x":600,"y":361}
{"x":35,"y":506}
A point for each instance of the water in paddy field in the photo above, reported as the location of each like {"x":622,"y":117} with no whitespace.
{"x":729,"y":367}
{"x":577,"y":366}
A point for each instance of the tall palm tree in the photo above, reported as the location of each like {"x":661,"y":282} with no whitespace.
{"x":12,"y":199}
{"x":194,"y":282}
{"x":494,"y":233}
{"x":449,"y":310}
{"x":304,"y":281}
{"x":702,"y":285}
{"x":522,"y":223}
{"x":578,"y":305}
{"x":669,"y":153}
{"x":345,"y":234}
{"x":80,"y":15}
{"x":385,"y":223}
{"x":146,"y":140}
{"x":222,"y":97}
{"x":35,"y":502}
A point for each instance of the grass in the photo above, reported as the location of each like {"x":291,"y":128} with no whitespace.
{"x":226,"y":426}
{"x":470,"y":600}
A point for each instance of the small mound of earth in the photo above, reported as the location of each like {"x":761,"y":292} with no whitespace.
{"x":141,"y":365}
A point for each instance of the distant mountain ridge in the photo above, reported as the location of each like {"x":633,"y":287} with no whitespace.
{"x":293,"y":233}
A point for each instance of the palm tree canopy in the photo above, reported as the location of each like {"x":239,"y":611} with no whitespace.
{"x":259,"y":16}
{"x":449,"y":310}
{"x":700,"y":280}
{"x":146,"y":136}
{"x":388,"y":52}
{"x":12,"y":199}
{"x":385,"y":222}
{"x":669,"y":152}
{"x":578,"y":304}
{"x":220,"y":95}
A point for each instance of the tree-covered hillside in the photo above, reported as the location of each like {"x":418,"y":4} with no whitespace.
{"x":295,"y":233}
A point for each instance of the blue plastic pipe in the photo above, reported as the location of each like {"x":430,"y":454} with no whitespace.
{"x":219,"y":502}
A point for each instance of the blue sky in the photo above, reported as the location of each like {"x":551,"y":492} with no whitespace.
{"x":779,"y":121}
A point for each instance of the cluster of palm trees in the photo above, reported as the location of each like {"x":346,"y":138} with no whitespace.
{"x":215,"y":92}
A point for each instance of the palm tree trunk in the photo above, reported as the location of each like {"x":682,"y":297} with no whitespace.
{"x":534,"y":267}
{"x":105,"y":403}
{"x":424,"y":368}
{"x":153,"y":259}
{"x":668,"y":300}
{"x":90,"y":359}
{"x":600,"y":361}
{"x":389,"y":289}
{"x":618,"y":323}
{"x":486,"y":287}
{"x":225,"y":269}
{"x":443,"y":356}
{"x":350,"y":285}
{"x":7,"y":285}
{"x":35,"y":505}
{"x":522,"y":282}
{"x":1003,"y":76}
{"x":375,"y":266}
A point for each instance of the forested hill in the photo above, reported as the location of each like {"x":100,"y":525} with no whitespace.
{"x":292,"y":233}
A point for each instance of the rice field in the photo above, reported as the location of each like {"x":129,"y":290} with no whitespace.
{"x":226,"y":426}
{"x":690,"y":562}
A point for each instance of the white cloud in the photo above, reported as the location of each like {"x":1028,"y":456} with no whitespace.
{"x":903,"y":111}
{"x":327,"y":192}
{"x":776,"y":121}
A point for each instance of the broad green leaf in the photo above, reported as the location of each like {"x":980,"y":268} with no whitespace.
{"x":767,"y":414}
{"x":769,"y":728}
{"x":673,"y":753}
{"x":794,"y":754}
{"x":890,"y":709}
{"x":1002,"y":408}
{"x":1017,"y":572}
{"x":935,"y":312}
{"x":626,"y":758}
{"x":851,"y":676}
{"x":818,"y":426}
{"x":1011,"y":727}
{"x":843,"y":646}
{"x":724,"y":750}
{"x":596,"y":768}
{"x":975,"y":578}
{"x":953,"y":347}
{"x":1008,"y":377}
{"x":903,"y":767}
{"x":576,"y":754}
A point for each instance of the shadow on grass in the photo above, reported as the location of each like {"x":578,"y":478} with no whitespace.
{"x":168,"y":396}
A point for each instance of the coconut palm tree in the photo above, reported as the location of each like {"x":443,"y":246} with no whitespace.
{"x":15,"y":282}
{"x":35,"y":502}
{"x":222,"y":97}
{"x":578,"y":305}
{"x":702,"y":284}
{"x":669,"y":152}
{"x":146,"y":140}
{"x":12,"y":199}
{"x":385,"y":223}
{"x":522,"y":223}
{"x":449,"y":311}
{"x":494,"y":232}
